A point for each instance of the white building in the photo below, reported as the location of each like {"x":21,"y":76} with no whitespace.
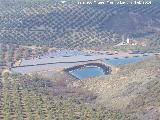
{"x":128,"y":41}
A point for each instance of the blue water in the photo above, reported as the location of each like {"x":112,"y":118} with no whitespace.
{"x":123,"y":61}
{"x":87,"y":72}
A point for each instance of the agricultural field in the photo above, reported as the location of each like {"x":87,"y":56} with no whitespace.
{"x":31,"y":28}
{"x":12,"y":53}
{"x":34,"y":98}
{"x":75,"y":26}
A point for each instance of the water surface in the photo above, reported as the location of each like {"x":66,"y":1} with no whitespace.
{"x":86,"y":72}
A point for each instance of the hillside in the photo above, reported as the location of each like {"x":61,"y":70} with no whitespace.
{"x":134,"y":89}
{"x":30,"y":29}
{"x":75,"y":26}
{"x":38,"y":98}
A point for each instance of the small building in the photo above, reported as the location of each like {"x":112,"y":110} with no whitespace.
{"x":128,"y":41}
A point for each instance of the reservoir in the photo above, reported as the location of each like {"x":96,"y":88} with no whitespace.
{"x":87,"y":72}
